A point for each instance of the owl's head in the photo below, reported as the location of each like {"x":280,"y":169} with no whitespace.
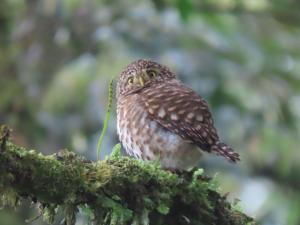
{"x":141,"y":74}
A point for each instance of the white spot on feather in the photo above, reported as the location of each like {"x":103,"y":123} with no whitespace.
{"x":182,"y":111}
{"x":151,"y":111}
{"x":172,"y":108}
{"x":199,"y":118}
{"x":190,"y":115}
{"x":161,"y":113}
{"x":174,"y":116}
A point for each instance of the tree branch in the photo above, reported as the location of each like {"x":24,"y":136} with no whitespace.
{"x":118,"y":190}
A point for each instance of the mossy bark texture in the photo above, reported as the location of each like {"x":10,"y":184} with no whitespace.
{"x":118,"y":190}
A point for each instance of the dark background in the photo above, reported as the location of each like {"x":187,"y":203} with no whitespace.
{"x":243,"y":56}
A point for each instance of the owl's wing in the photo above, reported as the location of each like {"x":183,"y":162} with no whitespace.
{"x":181,"y":110}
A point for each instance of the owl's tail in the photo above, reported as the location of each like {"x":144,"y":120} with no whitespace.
{"x":224,"y":150}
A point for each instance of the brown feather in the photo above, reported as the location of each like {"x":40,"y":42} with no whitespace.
{"x":181,"y":110}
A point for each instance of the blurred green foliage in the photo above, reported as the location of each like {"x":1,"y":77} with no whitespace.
{"x":57,"y":57}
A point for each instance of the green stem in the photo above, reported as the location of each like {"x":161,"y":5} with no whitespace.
{"x":106,"y":118}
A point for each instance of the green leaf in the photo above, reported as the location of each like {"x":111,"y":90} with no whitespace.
{"x":185,"y":8}
{"x":116,"y":151}
{"x":163,"y":209}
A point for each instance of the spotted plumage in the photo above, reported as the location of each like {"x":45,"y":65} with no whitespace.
{"x":159,"y":118}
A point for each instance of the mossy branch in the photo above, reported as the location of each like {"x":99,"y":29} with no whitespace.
{"x":118,"y":190}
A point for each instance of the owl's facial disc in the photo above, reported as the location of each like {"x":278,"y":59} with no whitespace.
{"x":141,"y":78}
{"x":141,"y":74}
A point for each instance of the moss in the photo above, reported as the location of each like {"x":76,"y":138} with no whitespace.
{"x":117,"y":190}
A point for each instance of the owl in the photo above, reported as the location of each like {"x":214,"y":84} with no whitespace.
{"x":161,"y":119}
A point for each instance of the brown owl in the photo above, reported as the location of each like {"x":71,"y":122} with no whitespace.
{"x":159,"y":118}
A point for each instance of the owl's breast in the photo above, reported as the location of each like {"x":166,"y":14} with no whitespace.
{"x":134,"y":126}
{"x":144,"y":138}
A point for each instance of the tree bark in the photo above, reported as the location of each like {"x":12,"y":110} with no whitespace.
{"x":117,"y":190}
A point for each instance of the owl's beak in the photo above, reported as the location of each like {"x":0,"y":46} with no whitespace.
{"x":141,"y":80}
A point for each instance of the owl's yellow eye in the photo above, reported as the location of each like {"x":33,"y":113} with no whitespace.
{"x":152,"y":73}
{"x":130,"y":80}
